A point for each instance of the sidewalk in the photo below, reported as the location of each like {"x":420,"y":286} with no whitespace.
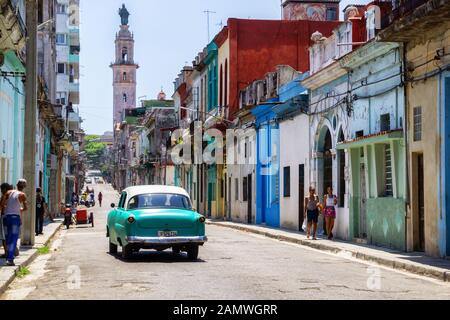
{"x":27,"y":254}
{"x":413,"y":262}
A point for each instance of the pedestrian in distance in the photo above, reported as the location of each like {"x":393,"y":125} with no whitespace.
{"x":100,"y":198}
{"x":92,"y":198}
{"x":5,"y":187}
{"x":330,"y":201}
{"x":311,"y":212}
{"x":41,"y":207}
{"x":74,"y":198}
{"x":16,"y":204}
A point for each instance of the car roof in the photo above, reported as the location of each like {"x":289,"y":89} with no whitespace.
{"x":136,"y":190}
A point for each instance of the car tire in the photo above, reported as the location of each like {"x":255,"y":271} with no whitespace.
{"x":193,"y":252}
{"x":112,"y":248}
{"x":176,"y":250}
{"x":127,"y":252}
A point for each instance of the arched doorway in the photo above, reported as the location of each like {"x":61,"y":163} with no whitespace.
{"x":325,"y":167}
{"x":341,"y":167}
{"x":327,"y":163}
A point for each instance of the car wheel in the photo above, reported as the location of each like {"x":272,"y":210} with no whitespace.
{"x":127,"y":251}
{"x":193,"y":252}
{"x":176,"y":250}
{"x":112,"y":248}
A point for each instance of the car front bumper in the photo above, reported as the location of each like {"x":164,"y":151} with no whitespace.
{"x":162,"y":240}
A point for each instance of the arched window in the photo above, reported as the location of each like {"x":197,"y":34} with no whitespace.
{"x":124,"y":97}
{"x":125,"y":54}
{"x":124,"y":76}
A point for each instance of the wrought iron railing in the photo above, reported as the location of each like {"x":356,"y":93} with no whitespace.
{"x":400,"y":10}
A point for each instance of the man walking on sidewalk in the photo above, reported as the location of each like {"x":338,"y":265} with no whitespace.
{"x":16,"y":203}
{"x":40,"y":211}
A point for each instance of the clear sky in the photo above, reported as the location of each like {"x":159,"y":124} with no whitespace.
{"x":168,"y":34}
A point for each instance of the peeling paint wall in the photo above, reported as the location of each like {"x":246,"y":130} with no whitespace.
{"x":429,"y":95}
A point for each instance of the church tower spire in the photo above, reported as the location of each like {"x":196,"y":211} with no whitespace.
{"x":124,"y":69}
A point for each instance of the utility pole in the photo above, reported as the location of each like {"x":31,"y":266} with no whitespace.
{"x":29,"y":156}
{"x":208,"y":12}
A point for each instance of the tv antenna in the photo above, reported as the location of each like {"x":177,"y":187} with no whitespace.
{"x":208,"y":12}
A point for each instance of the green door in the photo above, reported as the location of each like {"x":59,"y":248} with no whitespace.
{"x":212,"y":178}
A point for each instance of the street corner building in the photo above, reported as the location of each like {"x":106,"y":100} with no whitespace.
{"x":426,"y":54}
{"x":56,"y":157}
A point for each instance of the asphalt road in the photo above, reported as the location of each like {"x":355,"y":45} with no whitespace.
{"x":232,"y":265}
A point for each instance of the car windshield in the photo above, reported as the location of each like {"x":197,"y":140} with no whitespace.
{"x":166,"y":201}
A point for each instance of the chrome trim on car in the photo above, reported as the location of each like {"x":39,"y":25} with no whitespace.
{"x":166,"y":240}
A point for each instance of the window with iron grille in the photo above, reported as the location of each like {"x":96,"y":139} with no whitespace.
{"x":236,"y":186}
{"x":61,"y":68}
{"x":388,"y":171}
{"x":287,"y":181}
{"x":417,"y":123}
{"x":61,"y":39}
{"x":385,"y":122}
{"x":331,"y":14}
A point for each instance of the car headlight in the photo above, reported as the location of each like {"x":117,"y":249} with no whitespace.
{"x":131,"y":219}
{"x":202,"y":219}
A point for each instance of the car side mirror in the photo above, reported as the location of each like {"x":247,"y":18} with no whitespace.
{"x":113,"y":205}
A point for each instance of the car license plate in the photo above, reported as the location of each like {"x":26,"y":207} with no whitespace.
{"x":167,"y":234}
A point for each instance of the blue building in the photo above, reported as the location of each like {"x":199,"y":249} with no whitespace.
{"x":12,"y":105}
{"x":267,"y":164}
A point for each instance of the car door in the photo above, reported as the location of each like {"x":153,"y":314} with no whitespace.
{"x":114,"y":217}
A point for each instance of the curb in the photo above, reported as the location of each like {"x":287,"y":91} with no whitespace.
{"x":434,"y":273}
{"x":4,"y":286}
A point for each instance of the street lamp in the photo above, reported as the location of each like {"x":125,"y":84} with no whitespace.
{"x":42,"y":25}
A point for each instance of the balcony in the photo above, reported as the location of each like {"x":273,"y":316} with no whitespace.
{"x":74,"y":58}
{"x":12,"y":26}
{"x":74,"y":87}
{"x":410,"y":19}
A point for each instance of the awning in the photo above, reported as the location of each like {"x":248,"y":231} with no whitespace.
{"x":382,"y":137}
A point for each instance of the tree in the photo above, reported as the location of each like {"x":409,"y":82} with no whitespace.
{"x":94,"y":149}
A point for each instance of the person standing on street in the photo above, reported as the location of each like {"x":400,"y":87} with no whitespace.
{"x":330,"y":201}
{"x":41,"y":207}
{"x":74,"y":199}
{"x":100,"y":198}
{"x":16,"y":204}
{"x":5,"y":187}
{"x":311,"y":212}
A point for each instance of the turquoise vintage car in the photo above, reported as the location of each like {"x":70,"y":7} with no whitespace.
{"x":155,"y":217}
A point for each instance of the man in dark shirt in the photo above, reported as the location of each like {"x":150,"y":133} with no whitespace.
{"x":40,"y":211}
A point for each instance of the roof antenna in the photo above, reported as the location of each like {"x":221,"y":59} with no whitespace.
{"x":208,"y":12}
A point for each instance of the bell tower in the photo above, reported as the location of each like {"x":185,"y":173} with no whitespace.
{"x":124,"y":69}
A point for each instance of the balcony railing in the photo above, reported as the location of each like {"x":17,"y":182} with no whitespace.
{"x":401,"y":9}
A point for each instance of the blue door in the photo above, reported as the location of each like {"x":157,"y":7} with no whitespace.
{"x":268,"y":208}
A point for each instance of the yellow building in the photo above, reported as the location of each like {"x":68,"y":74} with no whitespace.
{"x":425,"y":31}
